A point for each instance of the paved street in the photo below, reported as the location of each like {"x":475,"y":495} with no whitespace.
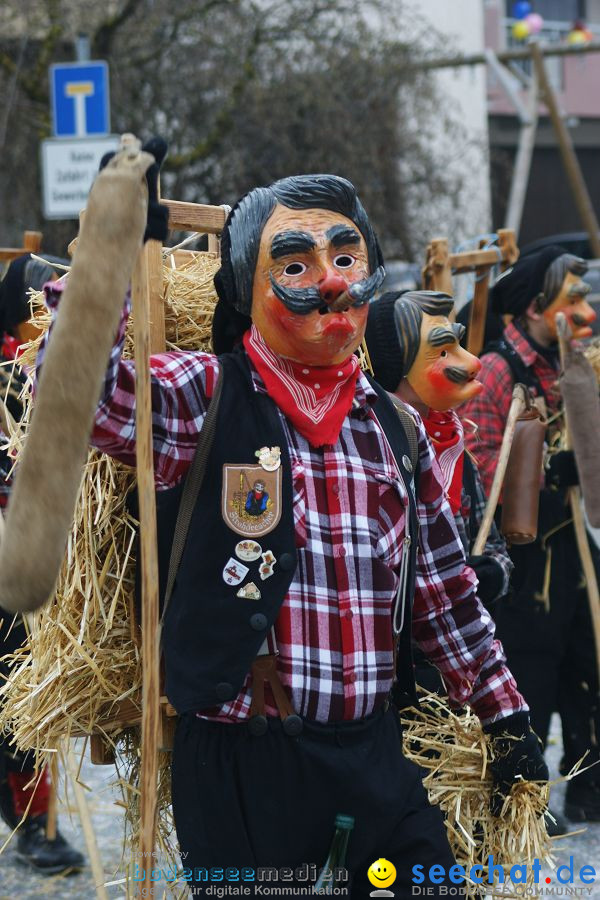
{"x":18,"y":883}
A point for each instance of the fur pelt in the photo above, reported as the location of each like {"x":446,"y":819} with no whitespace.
{"x":48,"y":479}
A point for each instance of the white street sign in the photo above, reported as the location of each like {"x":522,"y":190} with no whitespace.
{"x":68,"y":170}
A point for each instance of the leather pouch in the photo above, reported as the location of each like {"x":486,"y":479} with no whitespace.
{"x":522,"y":480}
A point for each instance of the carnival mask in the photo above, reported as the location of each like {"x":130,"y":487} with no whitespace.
{"x":571,"y":301}
{"x":443,"y":375}
{"x":312,"y":287}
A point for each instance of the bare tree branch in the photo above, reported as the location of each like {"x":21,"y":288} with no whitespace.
{"x":104,"y":35}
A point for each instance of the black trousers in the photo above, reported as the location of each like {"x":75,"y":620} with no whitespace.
{"x":552,"y":653}
{"x":246,"y":801}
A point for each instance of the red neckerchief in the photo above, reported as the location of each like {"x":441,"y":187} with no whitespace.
{"x":447,"y":436}
{"x":316,"y":399}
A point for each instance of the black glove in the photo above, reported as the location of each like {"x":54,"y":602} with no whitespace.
{"x":562,"y":470}
{"x":490,"y":575}
{"x":157,"y":224}
{"x":516,"y":750}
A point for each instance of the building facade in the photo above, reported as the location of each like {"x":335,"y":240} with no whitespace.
{"x":549,"y":207}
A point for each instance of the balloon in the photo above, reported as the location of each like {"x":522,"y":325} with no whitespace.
{"x":521,"y":9}
{"x":535,"y":22}
{"x":520,"y":30}
{"x":578,"y":36}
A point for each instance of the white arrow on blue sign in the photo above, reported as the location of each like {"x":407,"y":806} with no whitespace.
{"x":80,"y":99}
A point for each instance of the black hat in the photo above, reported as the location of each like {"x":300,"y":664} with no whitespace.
{"x":518,"y":286}
{"x":382,"y":341}
{"x":22,"y":274}
{"x":228,"y":324}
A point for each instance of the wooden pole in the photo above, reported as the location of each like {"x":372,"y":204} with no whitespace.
{"x":149,"y":559}
{"x":478,"y":311}
{"x":574,"y":494}
{"x":522,"y":168}
{"x":506,"y":80}
{"x":479,"y":307}
{"x":87,"y":828}
{"x":155,"y":287}
{"x":507,"y":242}
{"x":437,"y":274}
{"x":32,"y":241}
{"x":51,"y":816}
{"x":505,"y":56}
{"x":518,"y":404}
{"x":567,"y":151}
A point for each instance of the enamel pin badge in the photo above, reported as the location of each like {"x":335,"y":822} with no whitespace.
{"x":249,"y":591}
{"x":269,"y":458}
{"x":251,"y":503}
{"x":266,"y":568}
{"x":248,"y":551}
{"x":234,"y":572}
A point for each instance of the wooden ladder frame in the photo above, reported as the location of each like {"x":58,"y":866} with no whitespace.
{"x":441,"y":265}
{"x":148,"y":280}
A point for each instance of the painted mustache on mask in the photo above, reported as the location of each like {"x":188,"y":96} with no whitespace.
{"x":304,"y":300}
{"x":456,"y":374}
{"x":578,"y":320}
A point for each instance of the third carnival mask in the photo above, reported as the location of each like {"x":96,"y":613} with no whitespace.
{"x":444,"y":374}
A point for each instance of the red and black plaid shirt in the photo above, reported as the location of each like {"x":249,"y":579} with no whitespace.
{"x":334,"y":632}
{"x":489,"y":409}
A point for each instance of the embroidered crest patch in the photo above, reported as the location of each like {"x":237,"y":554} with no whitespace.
{"x":251,"y":499}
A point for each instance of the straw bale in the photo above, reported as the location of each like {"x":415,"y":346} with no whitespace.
{"x":455,"y":754}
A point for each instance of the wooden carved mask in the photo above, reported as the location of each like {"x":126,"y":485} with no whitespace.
{"x":571,"y":301}
{"x":308,"y":260}
{"x":443,"y":375}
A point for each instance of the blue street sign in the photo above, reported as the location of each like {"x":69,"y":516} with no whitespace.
{"x":80,"y":100}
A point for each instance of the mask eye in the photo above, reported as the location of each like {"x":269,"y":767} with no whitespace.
{"x":294,"y":269}
{"x":444,"y":353}
{"x":344,"y":261}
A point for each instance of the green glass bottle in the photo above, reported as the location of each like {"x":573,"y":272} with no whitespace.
{"x":331,"y":876}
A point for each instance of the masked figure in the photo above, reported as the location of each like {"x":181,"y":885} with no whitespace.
{"x":416,"y":355}
{"x":282,"y":697}
{"x":17,"y":770}
{"x":546,"y":627}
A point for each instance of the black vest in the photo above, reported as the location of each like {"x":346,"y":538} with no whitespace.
{"x":210,"y":636}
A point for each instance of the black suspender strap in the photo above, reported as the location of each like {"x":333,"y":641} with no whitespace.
{"x":191,"y":489}
{"x":409,"y":429}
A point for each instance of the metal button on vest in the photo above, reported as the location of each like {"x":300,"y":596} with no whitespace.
{"x":224,"y":691}
{"x":287,"y":562}
{"x":258,"y":622}
{"x":407,"y":463}
{"x":292,"y":726}
{"x":258,"y":726}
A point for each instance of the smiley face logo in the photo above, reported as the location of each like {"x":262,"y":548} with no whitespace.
{"x":381,"y":874}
